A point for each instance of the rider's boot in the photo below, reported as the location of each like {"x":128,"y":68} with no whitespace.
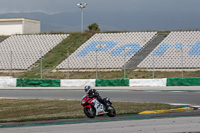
{"x":106,"y":106}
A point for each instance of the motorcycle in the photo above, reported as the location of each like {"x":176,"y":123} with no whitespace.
{"x":92,"y":107}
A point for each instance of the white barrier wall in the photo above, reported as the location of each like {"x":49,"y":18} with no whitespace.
{"x":148,"y":82}
{"x":12,"y":82}
{"x":8,"y":82}
{"x":77,"y":82}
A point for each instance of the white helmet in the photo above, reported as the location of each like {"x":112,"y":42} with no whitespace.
{"x":87,"y":88}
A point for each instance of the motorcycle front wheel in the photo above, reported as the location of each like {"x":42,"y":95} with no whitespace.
{"x":90,"y":112}
{"x":111,"y":112}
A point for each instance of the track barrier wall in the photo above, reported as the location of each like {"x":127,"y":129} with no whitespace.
{"x":38,"y":82}
{"x":147,"y":82}
{"x":7,"y":82}
{"x":183,"y":82}
{"x":13,"y":82}
{"x":77,"y":82}
{"x":112,"y":82}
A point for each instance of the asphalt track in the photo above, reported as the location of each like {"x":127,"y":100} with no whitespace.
{"x":166,"y":95}
{"x":195,"y":113}
{"x":148,"y":94}
{"x":164,"y":125}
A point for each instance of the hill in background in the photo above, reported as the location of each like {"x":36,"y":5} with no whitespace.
{"x":113,"y":21}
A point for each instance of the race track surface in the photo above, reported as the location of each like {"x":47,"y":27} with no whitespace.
{"x":184,"y":121}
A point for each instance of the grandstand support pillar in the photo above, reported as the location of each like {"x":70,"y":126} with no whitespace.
{"x":96,"y":64}
{"x":153,"y":65}
{"x":41,"y":64}
{"x":125,"y":64}
{"x":11,"y":54}
{"x":182,"y":61}
{"x":68,"y":62}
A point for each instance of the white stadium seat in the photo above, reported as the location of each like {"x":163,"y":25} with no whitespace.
{"x":180,"y":49}
{"x":26,"y":49}
{"x":110,"y":50}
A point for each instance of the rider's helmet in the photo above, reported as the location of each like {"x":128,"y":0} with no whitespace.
{"x":87,"y":88}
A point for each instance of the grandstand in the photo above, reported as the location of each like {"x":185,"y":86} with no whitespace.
{"x":180,"y":49}
{"x":177,"y":50}
{"x":107,"y":51}
{"x":20,"y":52}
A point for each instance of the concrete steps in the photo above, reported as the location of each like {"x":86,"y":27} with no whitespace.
{"x":141,"y":55}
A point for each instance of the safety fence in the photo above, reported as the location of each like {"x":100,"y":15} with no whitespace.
{"x":13,"y":82}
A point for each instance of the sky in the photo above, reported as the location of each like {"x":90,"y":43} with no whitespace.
{"x":59,"y":6}
{"x":117,"y":14}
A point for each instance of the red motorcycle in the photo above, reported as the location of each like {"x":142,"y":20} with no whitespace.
{"x":92,"y":107}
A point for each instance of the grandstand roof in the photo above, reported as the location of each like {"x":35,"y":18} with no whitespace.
{"x":19,"y":19}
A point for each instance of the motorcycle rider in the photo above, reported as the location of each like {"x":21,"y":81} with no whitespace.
{"x":94,"y":93}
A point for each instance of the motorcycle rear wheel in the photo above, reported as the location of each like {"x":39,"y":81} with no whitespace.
{"x":111,"y":112}
{"x":90,"y":112}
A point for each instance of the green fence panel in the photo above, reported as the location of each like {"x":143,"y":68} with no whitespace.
{"x":38,"y":82}
{"x":183,"y":82}
{"x":112,"y":82}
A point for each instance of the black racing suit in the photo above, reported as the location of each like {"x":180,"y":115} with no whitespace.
{"x":94,"y":93}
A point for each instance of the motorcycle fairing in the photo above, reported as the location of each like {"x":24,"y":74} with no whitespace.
{"x":98,"y":106}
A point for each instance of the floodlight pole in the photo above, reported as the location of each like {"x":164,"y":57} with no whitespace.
{"x":81,"y":20}
{"x":82,"y":6}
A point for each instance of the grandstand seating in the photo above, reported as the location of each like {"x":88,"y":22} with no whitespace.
{"x":180,"y":49}
{"x":107,"y":50}
{"x":20,"y":52}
